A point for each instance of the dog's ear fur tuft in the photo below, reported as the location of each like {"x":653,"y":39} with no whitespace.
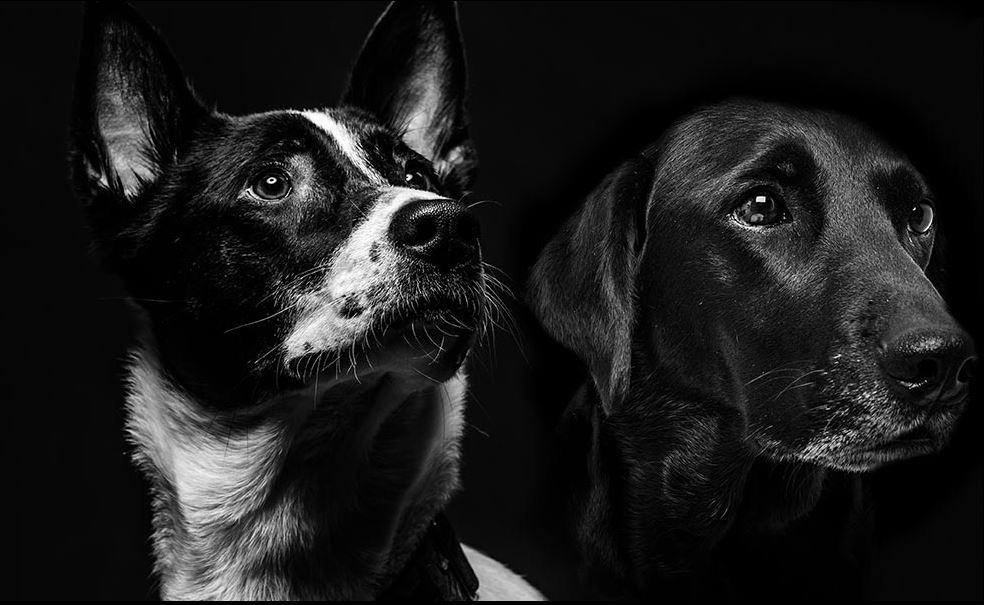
{"x":582,"y":287}
{"x":411,"y":74}
{"x":132,"y":106}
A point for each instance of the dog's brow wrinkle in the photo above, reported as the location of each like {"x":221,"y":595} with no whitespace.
{"x":787,"y":168}
{"x":347,"y":142}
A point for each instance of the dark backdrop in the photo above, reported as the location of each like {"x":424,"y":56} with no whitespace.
{"x":560,"y":92}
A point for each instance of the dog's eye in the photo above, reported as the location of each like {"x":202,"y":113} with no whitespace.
{"x":921,"y":217}
{"x":761,"y":209}
{"x":270,"y":186}
{"x":417,"y":176}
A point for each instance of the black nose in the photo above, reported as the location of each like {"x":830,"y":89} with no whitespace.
{"x":929,"y":364}
{"x":440,"y":232}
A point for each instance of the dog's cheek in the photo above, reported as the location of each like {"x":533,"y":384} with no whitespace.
{"x":361,"y":282}
{"x":339,"y":311}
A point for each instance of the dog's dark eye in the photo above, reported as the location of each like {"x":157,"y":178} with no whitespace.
{"x":417,"y":176}
{"x":921,"y":217}
{"x":271,"y":186}
{"x":761,"y":209}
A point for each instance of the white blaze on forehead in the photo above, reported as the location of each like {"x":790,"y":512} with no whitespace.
{"x":346,"y":141}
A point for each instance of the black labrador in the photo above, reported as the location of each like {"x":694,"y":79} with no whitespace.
{"x":750,"y":297}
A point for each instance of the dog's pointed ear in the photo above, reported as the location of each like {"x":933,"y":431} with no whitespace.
{"x":582,"y":287}
{"x":133,"y":106}
{"x":411,"y":74}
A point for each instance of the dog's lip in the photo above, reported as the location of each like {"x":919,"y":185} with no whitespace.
{"x":909,"y":442}
{"x":953,"y":400}
{"x":449,"y":343}
{"x":454,"y":317}
{"x":428,"y":319}
{"x":428,"y":337}
{"x":434,"y":332}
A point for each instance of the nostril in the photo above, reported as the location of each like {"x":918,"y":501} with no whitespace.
{"x":415,"y":225}
{"x":927,"y":370}
{"x":420,"y":231}
{"x":967,"y":371}
{"x":929,"y":365}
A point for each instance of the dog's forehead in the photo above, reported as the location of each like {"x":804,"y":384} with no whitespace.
{"x":350,"y":137}
{"x":730,"y":141}
{"x":353,"y":136}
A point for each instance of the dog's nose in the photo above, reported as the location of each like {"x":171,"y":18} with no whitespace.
{"x":929,"y":364}
{"x":440,"y":232}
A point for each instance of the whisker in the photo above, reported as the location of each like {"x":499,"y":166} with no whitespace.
{"x":268,"y":317}
{"x":782,"y":367}
{"x":426,"y":376}
{"x":480,"y":202}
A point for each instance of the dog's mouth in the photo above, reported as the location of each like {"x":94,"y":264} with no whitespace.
{"x":906,"y":444}
{"x":437,"y":331}
{"x":912,"y":442}
{"x":439,"y":312}
{"x":426,"y":339}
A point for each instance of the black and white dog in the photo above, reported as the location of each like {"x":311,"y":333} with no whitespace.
{"x":311,"y":286}
{"x":750,"y":297}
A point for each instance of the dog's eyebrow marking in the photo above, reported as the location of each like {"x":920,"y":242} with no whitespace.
{"x":347,"y":142}
{"x":787,"y":161}
{"x":787,"y":168}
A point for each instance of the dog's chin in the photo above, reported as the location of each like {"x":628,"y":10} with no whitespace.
{"x":884,"y":447}
{"x":864,"y":448}
{"x":430,"y":350}
{"x":428,"y":341}
{"x":902,"y":446}
{"x":424,"y":345}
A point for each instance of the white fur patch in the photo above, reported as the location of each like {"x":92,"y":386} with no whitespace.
{"x":320,"y":327}
{"x":214,"y":497}
{"x":496,"y":582}
{"x":347,"y":142}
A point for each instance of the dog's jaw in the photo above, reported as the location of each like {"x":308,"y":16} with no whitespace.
{"x":241,"y":513}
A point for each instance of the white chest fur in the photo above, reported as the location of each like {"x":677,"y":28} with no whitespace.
{"x":330,"y":490}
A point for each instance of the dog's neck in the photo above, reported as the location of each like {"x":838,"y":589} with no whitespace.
{"x":300,"y":497}
{"x":660,"y":508}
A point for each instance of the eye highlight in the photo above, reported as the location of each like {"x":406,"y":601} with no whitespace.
{"x":271,"y":185}
{"x":922,"y":217}
{"x":761,"y":209}
{"x":416,"y":175}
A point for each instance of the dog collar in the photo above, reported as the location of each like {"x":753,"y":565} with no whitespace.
{"x":436,"y":571}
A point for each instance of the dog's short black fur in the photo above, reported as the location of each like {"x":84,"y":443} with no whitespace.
{"x":749,"y":296}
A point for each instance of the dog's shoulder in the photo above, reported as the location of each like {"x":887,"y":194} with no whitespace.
{"x":496,"y":582}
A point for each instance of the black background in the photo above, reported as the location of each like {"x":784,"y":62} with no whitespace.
{"x":559,"y":93}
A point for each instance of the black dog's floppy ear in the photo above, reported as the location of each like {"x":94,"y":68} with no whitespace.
{"x":132,"y":106}
{"x":411,"y":74}
{"x":583,"y":285}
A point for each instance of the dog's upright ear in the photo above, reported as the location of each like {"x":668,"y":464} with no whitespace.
{"x":582,"y":287}
{"x":411,"y":74}
{"x":132,"y":111}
